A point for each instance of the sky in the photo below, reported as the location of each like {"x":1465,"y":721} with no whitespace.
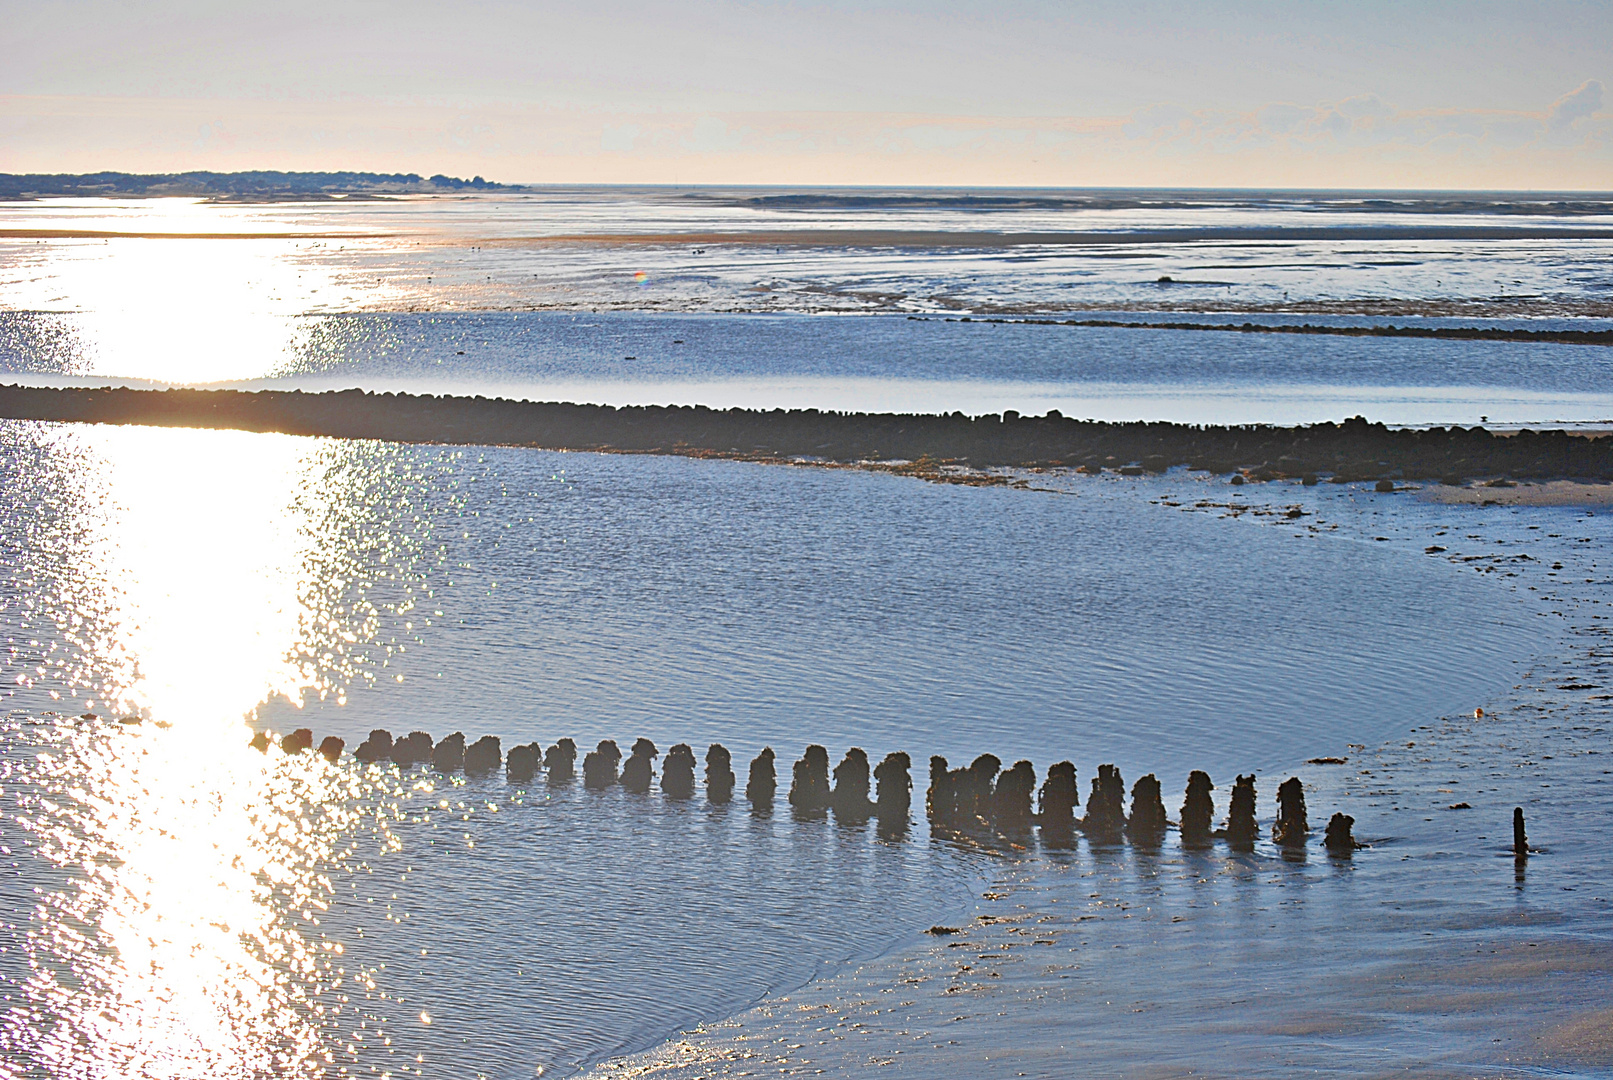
{"x":1358,"y":94}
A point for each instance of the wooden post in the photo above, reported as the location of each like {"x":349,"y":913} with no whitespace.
{"x":1520,"y":842}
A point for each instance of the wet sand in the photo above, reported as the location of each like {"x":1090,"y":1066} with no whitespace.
{"x":1521,"y":493}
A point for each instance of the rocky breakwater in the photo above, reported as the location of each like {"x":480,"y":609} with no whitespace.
{"x":1354,"y":450}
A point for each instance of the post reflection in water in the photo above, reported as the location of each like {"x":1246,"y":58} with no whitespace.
{"x":177,"y":931}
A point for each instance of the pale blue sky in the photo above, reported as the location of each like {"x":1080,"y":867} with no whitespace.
{"x":1313,"y":94}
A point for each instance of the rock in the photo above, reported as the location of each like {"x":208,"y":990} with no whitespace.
{"x":483,"y":755}
{"x":1105,"y":821}
{"x":1241,"y":827}
{"x":895,"y":788}
{"x":1146,"y":825}
{"x":298,"y":741}
{"x":1091,"y":468}
{"x":638,"y":770}
{"x":720,"y":778}
{"x":331,"y":747}
{"x":599,"y":766}
{"x":1339,"y":840}
{"x":809,"y":790}
{"x":762,"y":783}
{"x":850,"y":795}
{"x":1237,"y":480}
{"x":1131,"y":470}
{"x":1156,"y":463}
{"x":677,"y":776}
{"x":522,"y":763}
{"x":1310,"y":479}
{"x":260,"y":742}
{"x":1384,"y":486}
{"x":1011,"y":801}
{"x":1059,"y":800}
{"x":413,"y":749}
{"x":1291,"y":827}
{"x":1198,"y":811}
{"x":378,"y":747}
{"x":561,"y":761}
{"x":449,"y":755}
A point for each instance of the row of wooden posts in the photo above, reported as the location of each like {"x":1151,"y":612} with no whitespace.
{"x":982,"y":795}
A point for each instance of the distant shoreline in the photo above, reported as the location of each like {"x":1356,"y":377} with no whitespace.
{"x":955,"y":448}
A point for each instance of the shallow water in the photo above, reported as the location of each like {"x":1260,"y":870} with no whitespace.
{"x":532,"y":595}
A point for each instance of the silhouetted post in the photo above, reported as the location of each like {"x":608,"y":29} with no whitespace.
{"x":762,"y":782}
{"x":260,"y":742}
{"x":940,"y":801}
{"x":599,"y":766}
{"x":1058,"y":802}
{"x":1241,"y":827}
{"x":895,"y":789}
{"x":1146,"y":825}
{"x":331,"y":748}
{"x":1011,"y":801}
{"x":378,"y":747}
{"x":412,"y":749}
{"x":1291,"y":827}
{"x":1339,"y":840}
{"x":449,"y":755}
{"x":483,"y":755}
{"x":1520,"y":842}
{"x":850,"y":797}
{"x":809,"y":786}
{"x":521,"y":764}
{"x":561,"y":761}
{"x":1198,"y":811}
{"x":1106,"y":807}
{"x":639,"y":767}
{"x":720,"y":779}
{"x":677,"y":774}
{"x":298,"y":741}
{"x":974,"y":789}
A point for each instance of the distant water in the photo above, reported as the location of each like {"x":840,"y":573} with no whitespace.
{"x":193,"y":575}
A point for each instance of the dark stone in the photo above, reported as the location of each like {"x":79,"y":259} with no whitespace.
{"x":483,"y":755}
{"x":1291,"y":827}
{"x":1237,"y":480}
{"x":413,"y":749}
{"x":894,"y":786}
{"x":298,"y":741}
{"x":522,"y":763}
{"x":1384,"y":486}
{"x":449,"y":755}
{"x":1241,"y":827}
{"x":720,"y":778}
{"x":1156,"y":463}
{"x":378,"y":747}
{"x":1339,"y":839}
{"x":850,"y":796}
{"x":809,"y":788}
{"x":677,"y":774}
{"x":561,"y":761}
{"x":1059,"y":799}
{"x":331,"y":747}
{"x":1105,"y":822}
{"x":1146,"y":825}
{"x":599,"y":766}
{"x":638,"y":770}
{"x":1198,"y":811}
{"x":1310,"y":479}
{"x":762,"y":782}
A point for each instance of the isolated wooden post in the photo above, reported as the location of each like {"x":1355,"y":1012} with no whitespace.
{"x":1520,"y":842}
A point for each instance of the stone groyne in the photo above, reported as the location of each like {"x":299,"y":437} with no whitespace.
{"x":1354,"y":450}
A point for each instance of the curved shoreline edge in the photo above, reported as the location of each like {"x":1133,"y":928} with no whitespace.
{"x":1354,"y":450}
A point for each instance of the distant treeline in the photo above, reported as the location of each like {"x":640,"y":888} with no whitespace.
{"x":1352,"y":450}
{"x":262,"y":184}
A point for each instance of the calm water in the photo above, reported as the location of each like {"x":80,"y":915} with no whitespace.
{"x":309,"y":911}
